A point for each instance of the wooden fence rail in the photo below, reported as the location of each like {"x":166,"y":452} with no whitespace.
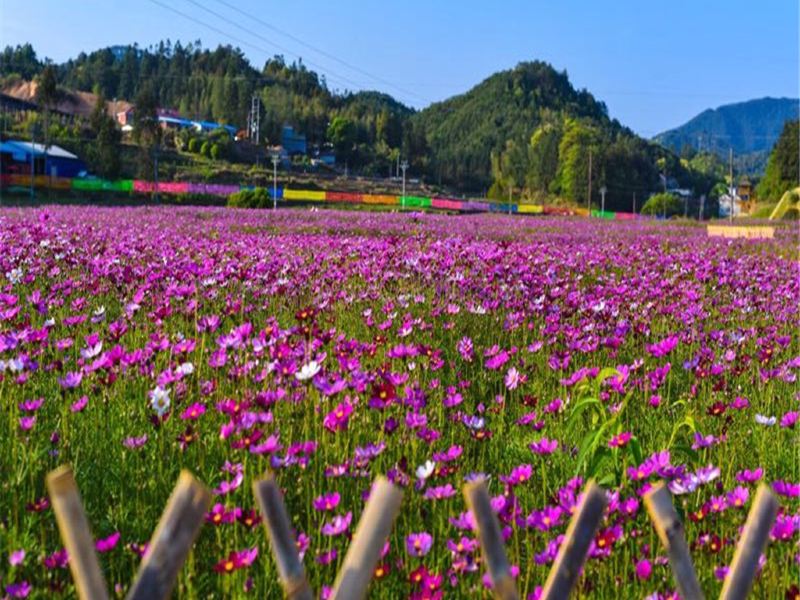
{"x":190,"y":500}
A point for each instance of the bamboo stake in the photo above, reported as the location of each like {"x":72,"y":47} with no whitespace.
{"x":371,"y":533}
{"x":491,"y":538}
{"x":572,"y":552}
{"x":75,"y":532}
{"x":172,"y":540}
{"x":670,"y":531}
{"x":282,"y":540}
{"x":752,"y":543}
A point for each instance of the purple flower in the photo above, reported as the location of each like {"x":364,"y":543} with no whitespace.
{"x":134,"y":443}
{"x":748,"y":476}
{"x":419,"y":544}
{"x":337,"y":419}
{"x":543,"y":446}
{"x":789,"y":420}
{"x":79,"y":404}
{"x":327,"y":501}
{"x":786,"y":488}
{"x":440,"y":493}
{"x":107,"y":544}
{"x":337,"y":525}
{"x":16,"y":557}
{"x":643,"y":569}
{"x":71,"y":380}
{"x":18,"y":590}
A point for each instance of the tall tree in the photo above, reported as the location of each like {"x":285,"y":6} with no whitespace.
{"x":543,"y":156}
{"x":782,"y":168}
{"x":46,"y":97}
{"x":146,"y":130}
{"x":104,"y":152}
{"x":579,"y":140}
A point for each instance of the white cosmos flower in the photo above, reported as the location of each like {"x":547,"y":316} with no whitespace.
{"x":762,"y":420}
{"x":186,"y":368}
{"x":14,"y":275}
{"x":159,"y":400}
{"x":425,"y":470}
{"x":308,"y":371}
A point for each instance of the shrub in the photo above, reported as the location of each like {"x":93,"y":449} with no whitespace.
{"x":215,"y":151}
{"x":194,"y":145}
{"x":661,"y":204}
{"x":257,"y":198}
{"x":205,"y":149}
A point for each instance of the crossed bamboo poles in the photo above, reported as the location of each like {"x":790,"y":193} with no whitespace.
{"x":183,"y":517}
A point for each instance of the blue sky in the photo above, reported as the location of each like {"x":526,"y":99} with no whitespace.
{"x":654,"y":63}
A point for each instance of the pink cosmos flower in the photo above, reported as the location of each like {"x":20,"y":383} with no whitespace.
{"x":327,"y":501}
{"x":419,"y":544}
{"x":16,"y":557}
{"x":338,"y":418}
{"x":107,"y":544}
{"x":337,"y":525}
{"x":619,"y":441}
{"x":543,"y":446}
{"x":193,"y":412}
{"x":79,"y":404}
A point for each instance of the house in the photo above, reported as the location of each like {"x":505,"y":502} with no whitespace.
{"x":293,"y":142}
{"x":16,"y":156}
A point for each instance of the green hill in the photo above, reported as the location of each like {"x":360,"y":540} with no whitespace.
{"x":750,"y":128}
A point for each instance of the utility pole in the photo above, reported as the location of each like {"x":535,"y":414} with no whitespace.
{"x":155,"y":169}
{"x":731,"y":191}
{"x":634,"y":202}
{"x":403,"y":167}
{"x":254,"y":119}
{"x":589,"y":195}
{"x":33,"y":158}
{"x":510,"y":191}
{"x":702,"y":207}
{"x":275,"y":159}
{"x":603,"y":191}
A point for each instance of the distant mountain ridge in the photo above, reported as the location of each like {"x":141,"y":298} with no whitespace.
{"x":750,"y":128}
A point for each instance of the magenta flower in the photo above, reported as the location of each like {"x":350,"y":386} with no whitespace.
{"x":79,"y":404}
{"x":545,"y":519}
{"x":71,"y":380}
{"x":193,"y":412}
{"x":643,"y":569}
{"x":748,"y":476}
{"x":337,"y":419}
{"x":618,"y":441}
{"x":543,"y":446}
{"x":440,"y":493}
{"x":18,"y":590}
{"x":789,"y":420}
{"x":27,"y":423}
{"x":337,"y":525}
{"x":16,"y":557}
{"x":326,"y":502}
{"x":134,"y":443}
{"x":107,"y":544}
{"x":419,"y":544}
{"x":31,"y":405}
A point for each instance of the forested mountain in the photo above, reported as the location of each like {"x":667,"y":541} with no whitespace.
{"x":526,"y":132}
{"x":749,"y":128}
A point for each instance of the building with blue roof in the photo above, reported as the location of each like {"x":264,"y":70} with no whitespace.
{"x":17,"y":156}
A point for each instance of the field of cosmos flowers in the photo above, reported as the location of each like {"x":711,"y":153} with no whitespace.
{"x":334,"y":346}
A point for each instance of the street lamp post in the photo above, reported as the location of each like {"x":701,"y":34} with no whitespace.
{"x":403,"y":167}
{"x":603,"y":191}
{"x":274,"y":181}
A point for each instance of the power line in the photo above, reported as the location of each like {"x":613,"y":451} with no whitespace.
{"x":318,"y":50}
{"x":238,"y":39}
